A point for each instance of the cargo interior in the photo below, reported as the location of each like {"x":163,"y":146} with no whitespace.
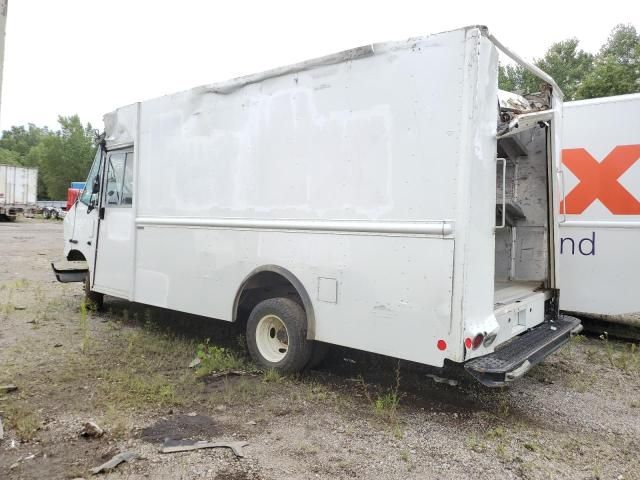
{"x":522,"y":224}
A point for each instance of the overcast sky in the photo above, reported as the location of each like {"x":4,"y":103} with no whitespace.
{"x":92,"y":56}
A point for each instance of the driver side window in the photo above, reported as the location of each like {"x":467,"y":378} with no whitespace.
{"x":119,"y":191}
{"x":115,"y":174}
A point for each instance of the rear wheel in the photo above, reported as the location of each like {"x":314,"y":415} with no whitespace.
{"x":277,"y":335}
{"x":94,"y":300}
{"x":46,"y":214}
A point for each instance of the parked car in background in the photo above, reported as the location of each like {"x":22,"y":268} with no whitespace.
{"x":59,"y":209}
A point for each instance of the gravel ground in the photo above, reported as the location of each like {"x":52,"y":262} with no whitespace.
{"x":577,"y":415}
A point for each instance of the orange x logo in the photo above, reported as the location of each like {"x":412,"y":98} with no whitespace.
{"x":599,"y":180}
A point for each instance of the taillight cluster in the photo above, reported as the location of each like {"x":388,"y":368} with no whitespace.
{"x":480,"y":339}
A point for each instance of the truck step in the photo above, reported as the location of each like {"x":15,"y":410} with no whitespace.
{"x":515,"y":358}
{"x":67,"y":271}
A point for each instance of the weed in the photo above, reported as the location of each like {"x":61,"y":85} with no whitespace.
{"x":495,"y":433}
{"x":134,"y":390}
{"x":627,"y":359}
{"x":404,"y":455}
{"x":21,"y":284}
{"x":25,"y":421}
{"x":272,"y":376}
{"x":215,"y":359}
{"x":385,"y":405}
{"x":474,"y":443}
{"x":115,"y":422}
{"x":84,"y":327}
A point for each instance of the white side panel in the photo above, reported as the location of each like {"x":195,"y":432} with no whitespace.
{"x":393,"y":292}
{"x":366,"y":145}
{"x":32,"y":186}
{"x":600,"y":257}
{"x":18,"y":185}
{"x":3,"y":184}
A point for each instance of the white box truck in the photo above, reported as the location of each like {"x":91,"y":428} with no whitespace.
{"x":364,"y":199}
{"x":600,"y":215}
{"x":18,"y":190}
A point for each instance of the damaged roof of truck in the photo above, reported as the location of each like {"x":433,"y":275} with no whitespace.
{"x":118,"y":123}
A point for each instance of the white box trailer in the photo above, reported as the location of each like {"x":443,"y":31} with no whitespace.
{"x":356,"y":199}
{"x":18,"y":190}
{"x":600,"y":220}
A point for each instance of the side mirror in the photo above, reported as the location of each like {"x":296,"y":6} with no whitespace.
{"x":95,"y":188}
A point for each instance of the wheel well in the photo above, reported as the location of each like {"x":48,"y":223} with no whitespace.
{"x":271,"y":281}
{"x":75,"y":255}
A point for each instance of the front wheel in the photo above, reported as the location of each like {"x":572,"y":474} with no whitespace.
{"x":93,"y":300}
{"x":277,"y":335}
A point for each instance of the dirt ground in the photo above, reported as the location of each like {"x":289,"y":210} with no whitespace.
{"x":577,"y":415}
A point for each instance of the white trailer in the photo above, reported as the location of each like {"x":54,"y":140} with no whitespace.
{"x":600,"y":216}
{"x":356,"y":199}
{"x":18,"y":190}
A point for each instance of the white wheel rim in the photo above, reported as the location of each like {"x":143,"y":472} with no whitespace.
{"x":272,"y":338}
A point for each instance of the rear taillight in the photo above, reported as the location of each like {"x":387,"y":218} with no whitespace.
{"x":477,"y":341}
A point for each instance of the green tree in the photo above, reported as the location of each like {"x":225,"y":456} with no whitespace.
{"x":617,"y":66}
{"x":21,"y":140}
{"x":65,"y":156}
{"x":566,"y":64}
{"x":9,"y":157}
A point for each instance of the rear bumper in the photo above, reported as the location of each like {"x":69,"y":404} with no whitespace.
{"x":70,"y":271}
{"x":513,"y":359}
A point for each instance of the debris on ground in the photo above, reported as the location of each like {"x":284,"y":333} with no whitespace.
{"x":91,"y":429}
{"x":172,"y":446}
{"x":1,"y":430}
{"x":438,"y":379}
{"x":7,"y":388}
{"x":195,"y":362}
{"x":228,"y":373}
{"x":115,"y":461}
{"x":252,"y":422}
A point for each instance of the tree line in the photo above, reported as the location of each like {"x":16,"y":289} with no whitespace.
{"x":64,"y":155}
{"x":614,"y":70}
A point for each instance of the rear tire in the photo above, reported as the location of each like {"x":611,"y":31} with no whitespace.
{"x":94,"y":300}
{"x":46,"y":214}
{"x":277,"y":335}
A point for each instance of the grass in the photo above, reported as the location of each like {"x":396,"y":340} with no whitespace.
{"x":385,"y":404}
{"x":24,"y":420}
{"x":623,"y":357}
{"x":214,"y":359}
{"x":272,"y":376}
